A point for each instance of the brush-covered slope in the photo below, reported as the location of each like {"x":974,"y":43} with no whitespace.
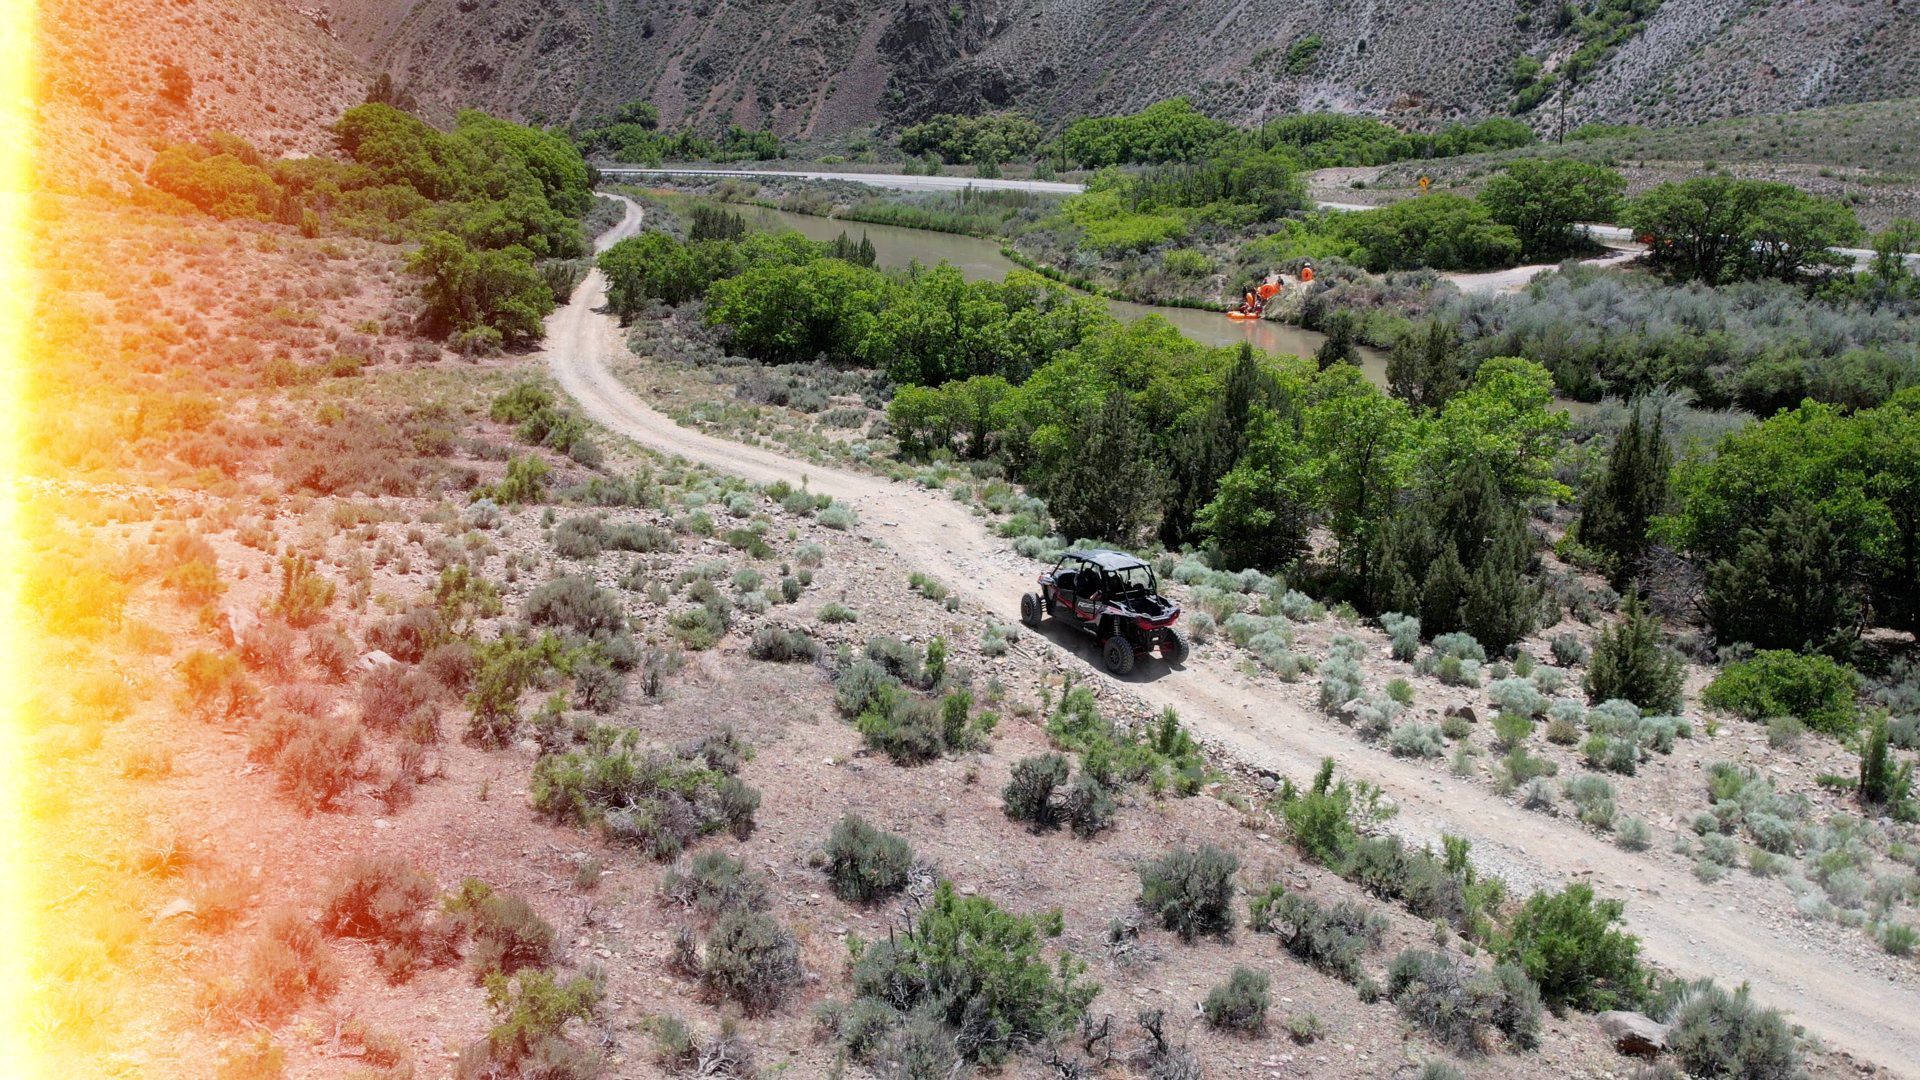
{"x":824,"y":66}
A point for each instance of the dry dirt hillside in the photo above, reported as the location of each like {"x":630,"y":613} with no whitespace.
{"x":824,"y":66}
{"x":108,"y":89}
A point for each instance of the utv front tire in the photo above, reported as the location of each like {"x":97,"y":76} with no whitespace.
{"x":1173,"y":646}
{"x":1118,"y":653}
{"x":1031,"y":609}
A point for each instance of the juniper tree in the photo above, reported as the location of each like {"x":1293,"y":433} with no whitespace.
{"x":1425,"y":369}
{"x":1620,"y":509}
{"x":1208,"y":444}
{"x":1457,"y":552}
{"x":1108,"y":489}
{"x":1630,"y":663}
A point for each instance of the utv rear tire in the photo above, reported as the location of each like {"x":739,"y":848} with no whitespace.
{"x":1032,"y":609}
{"x":1118,"y":653}
{"x":1173,"y":646}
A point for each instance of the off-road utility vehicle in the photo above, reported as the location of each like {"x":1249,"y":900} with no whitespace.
{"x":1114,"y":597}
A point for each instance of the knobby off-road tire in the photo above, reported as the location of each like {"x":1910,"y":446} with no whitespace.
{"x":1032,"y":609}
{"x":1173,"y":646}
{"x":1118,"y":653}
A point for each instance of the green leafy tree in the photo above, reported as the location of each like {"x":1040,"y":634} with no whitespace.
{"x":1265,"y":505}
{"x":1171,"y":130}
{"x":1567,"y":943}
{"x":1507,"y":420}
{"x":1542,"y":199}
{"x":498,"y":297}
{"x":226,"y":183}
{"x":795,"y":314}
{"x":1630,"y":663}
{"x":1718,"y":229}
{"x":1359,"y":438}
{"x":1617,"y":516}
{"x":1438,"y":230}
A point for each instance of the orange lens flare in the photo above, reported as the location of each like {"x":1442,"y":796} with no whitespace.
{"x":18,"y":938}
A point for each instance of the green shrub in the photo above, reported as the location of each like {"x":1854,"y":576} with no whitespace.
{"x":715,"y":883}
{"x":287,"y":964}
{"x":1191,"y":891}
{"x":864,"y":863}
{"x":1633,"y":834}
{"x":1776,"y":682}
{"x":1032,"y":793}
{"x":901,"y":660}
{"x":319,"y":762}
{"x":655,"y":801}
{"x":1592,"y":796}
{"x":1321,"y":818}
{"x":1461,"y":1006}
{"x":580,"y":537}
{"x":700,"y":628}
{"x":1089,"y":806}
{"x":1885,"y":782}
{"x":751,"y":960}
{"x":1304,"y":1028}
{"x":576,"y":603}
{"x":1630,"y":663}
{"x":1330,"y":937}
{"x":1566,"y":942}
{"x":1511,"y":730}
{"x":1899,"y":939}
{"x":1240,"y":1003}
{"x":1404,"y":630}
{"x":507,"y":933}
{"x":1162,"y":755}
{"x":978,"y":972}
{"x":1568,"y":651}
{"x":862,"y":685}
{"x":1417,"y":740}
{"x":534,"y":1008}
{"x":782,"y":646}
{"x":1714,"y":1033}
{"x":838,"y":613}
{"x":385,"y":901}
{"x":907,"y":729}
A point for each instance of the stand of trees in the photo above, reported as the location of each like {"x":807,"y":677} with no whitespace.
{"x":489,"y":200}
{"x":631,"y":135}
{"x":1716,"y":229}
{"x":1174,"y":131}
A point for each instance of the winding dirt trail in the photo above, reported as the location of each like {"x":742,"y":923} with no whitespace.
{"x":1682,"y":924}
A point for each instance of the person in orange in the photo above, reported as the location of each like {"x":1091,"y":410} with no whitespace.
{"x":1250,"y":305}
{"x":1306,"y":273}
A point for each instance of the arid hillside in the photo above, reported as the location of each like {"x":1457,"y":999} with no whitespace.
{"x":118,"y":76}
{"x":825,"y":66}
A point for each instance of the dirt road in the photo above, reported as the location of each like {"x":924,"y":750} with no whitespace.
{"x":1683,"y":924}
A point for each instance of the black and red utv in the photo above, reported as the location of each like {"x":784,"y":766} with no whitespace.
{"x":1114,"y":597}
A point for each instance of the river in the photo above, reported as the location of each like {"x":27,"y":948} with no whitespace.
{"x":981,"y":260}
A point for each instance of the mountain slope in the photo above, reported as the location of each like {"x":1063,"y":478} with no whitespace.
{"x":256,"y":68}
{"x":826,"y":66}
